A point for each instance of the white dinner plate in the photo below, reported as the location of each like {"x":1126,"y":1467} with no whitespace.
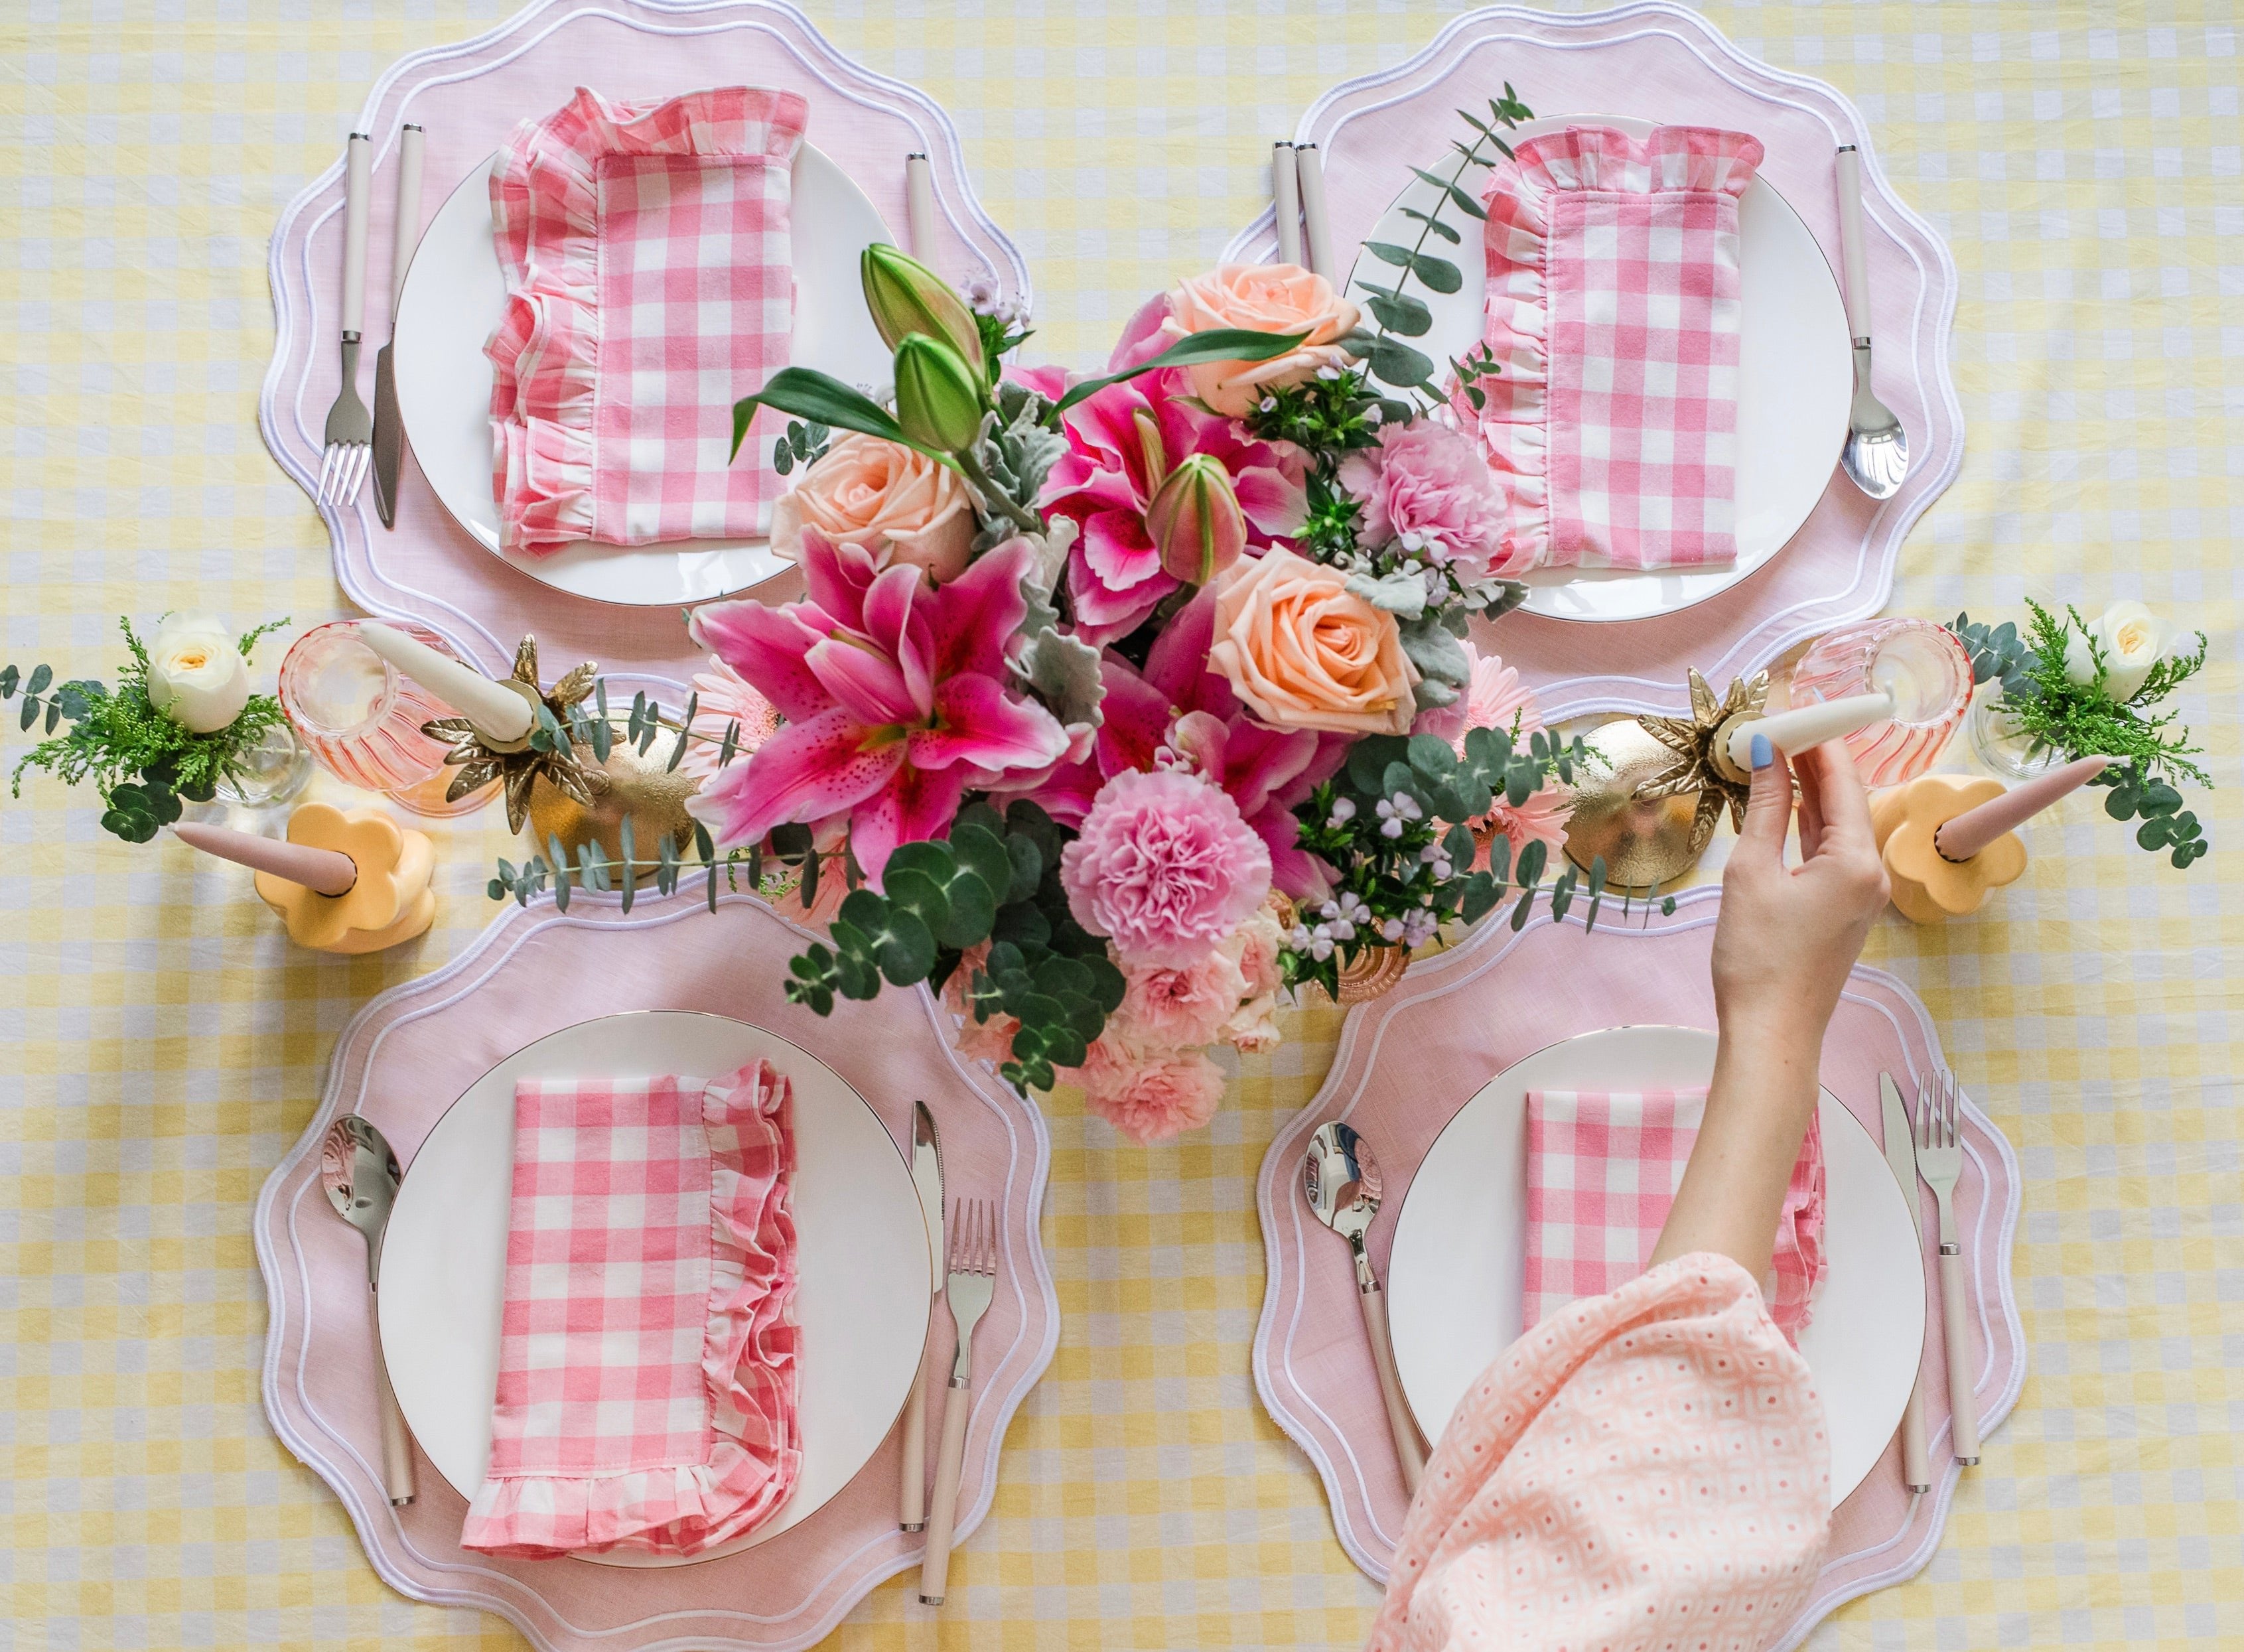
{"x":455,"y":296}
{"x":861,"y":1296}
{"x":1795,"y":380}
{"x":1461,"y":1238}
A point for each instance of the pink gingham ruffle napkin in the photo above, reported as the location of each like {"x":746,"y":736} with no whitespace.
{"x":1612,"y":316}
{"x":649,"y":273}
{"x":647,"y":1385}
{"x":1602,"y":1171}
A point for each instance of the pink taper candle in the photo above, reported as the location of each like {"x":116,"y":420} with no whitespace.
{"x":1973,"y":830}
{"x":322,"y":871}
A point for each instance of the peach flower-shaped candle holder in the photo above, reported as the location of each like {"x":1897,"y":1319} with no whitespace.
{"x":1949,"y":840}
{"x":388,"y":902}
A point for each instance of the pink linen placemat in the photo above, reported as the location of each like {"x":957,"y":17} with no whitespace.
{"x":469,"y":97}
{"x":1409,"y":1060}
{"x":1657,"y":61}
{"x":401,"y":1062}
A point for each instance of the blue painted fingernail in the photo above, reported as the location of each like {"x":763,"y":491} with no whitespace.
{"x":1763,"y":752}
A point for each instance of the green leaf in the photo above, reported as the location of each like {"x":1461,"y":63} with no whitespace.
{"x":54,"y":714}
{"x":810,"y":879}
{"x":9,"y":677}
{"x":41,"y":676}
{"x":933,"y":860}
{"x":1107,"y":985}
{"x":973,"y":910}
{"x":906,"y":951}
{"x":1531,"y":863}
{"x":1398,"y":364}
{"x":813,"y":394}
{"x":1458,"y":847}
{"x":1028,"y":868}
{"x":1446,"y":232}
{"x":629,"y":889}
{"x":30,"y":714}
{"x":913,"y":890}
{"x":1432,"y":756}
{"x":1023,"y":925}
{"x":2121,"y":804}
{"x":1520,"y":912}
{"x":983,"y":852}
{"x":561,"y":873}
{"x":1402,"y":314}
{"x":2156,"y":832}
{"x":1217,"y":344}
{"x":1481,"y":893}
{"x":1458,"y":199}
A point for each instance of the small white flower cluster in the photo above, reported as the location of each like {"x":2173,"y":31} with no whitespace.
{"x":1339,"y":918}
{"x":1413,"y":928}
{"x":985,"y":297}
{"x":1396,"y":812}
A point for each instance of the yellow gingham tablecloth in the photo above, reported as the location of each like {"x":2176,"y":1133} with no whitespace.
{"x":160,"y":1045}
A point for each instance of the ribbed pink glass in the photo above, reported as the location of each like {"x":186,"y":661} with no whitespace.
{"x":1920,"y":663}
{"x":361,"y":717}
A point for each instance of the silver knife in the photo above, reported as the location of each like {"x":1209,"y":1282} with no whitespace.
{"x":1901,"y":1159}
{"x":389,"y":428}
{"x":926,"y":1178}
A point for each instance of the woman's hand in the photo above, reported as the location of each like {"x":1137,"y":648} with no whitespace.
{"x":1784,"y":943}
{"x":1788,"y":936}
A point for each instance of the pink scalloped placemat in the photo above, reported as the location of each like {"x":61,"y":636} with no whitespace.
{"x":1407,"y":1062}
{"x":1659,"y":61}
{"x":404,"y":1059}
{"x":469,"y":96}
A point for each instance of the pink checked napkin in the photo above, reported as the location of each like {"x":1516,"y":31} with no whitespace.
{"x":651,"y":284}
{"x":1602,"y":1171}
{"x":646,"y":1383}
{"x":1613,"y":314}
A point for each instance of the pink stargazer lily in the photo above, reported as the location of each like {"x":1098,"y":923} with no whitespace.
{"x":1177,"y":711}
{"x":1121,"y":445}
{"x":894,"y":692}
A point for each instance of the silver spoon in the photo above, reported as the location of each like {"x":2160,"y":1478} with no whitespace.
{"x":360,"y":1176}
{"x":1876,"y":455}
{"x":1342,"y":1184}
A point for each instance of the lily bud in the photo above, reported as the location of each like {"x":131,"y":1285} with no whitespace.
{"x":938,"y":396}
{"x":906,"y":296}
{"x":1194,"y":521}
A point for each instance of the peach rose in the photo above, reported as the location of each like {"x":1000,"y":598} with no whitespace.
{"x":1304,"y":652}
{"x":1263,"y":297}
{"x":893,"y":501}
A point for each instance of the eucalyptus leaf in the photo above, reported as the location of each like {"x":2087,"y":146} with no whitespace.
{"x":1398,"y":364}
{"x":1402,"y":314}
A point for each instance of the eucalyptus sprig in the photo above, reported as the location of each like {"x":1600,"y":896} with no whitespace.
{"x":1400,"y":315}
{"x":145,"y":766}
{"x":1395,"y":826}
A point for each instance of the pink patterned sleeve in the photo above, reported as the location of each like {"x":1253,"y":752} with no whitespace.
{"x":1647,"y":1469}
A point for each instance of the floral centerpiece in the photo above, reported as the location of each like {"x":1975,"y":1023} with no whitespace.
{"x":1116,"y":707}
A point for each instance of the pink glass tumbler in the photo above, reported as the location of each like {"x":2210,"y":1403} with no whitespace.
{"x":362,"y":717}
{"x":1920,"y":663}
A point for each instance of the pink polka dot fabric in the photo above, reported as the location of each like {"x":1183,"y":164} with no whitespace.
{"x":1645,"y":1472}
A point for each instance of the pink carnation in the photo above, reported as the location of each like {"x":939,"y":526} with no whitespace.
{"x":1428,"y":486}
{"x":725,"y":698}
{"x":1170,"y":1007}
{"x":1165,"y":867}
{"x":1149,"y":1098}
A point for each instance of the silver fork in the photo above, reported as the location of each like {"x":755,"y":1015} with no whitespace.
{"x":972,"y":1285}
{"x":1940,"y":1161}
{"x":350,"y":427}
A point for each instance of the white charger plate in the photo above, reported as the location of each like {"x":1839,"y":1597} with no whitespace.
{"x":455,"y":296}
{"x":1795,"y":380}
{"x":862,"y":1247}
{"x":1461,"y":1238}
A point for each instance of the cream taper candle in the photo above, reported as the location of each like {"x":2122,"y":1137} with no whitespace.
{"x":1972,"y":831}
{"x":495,"y":711}
{"x":919,"y":207}
{"x":1805,"y":726}
{"x":1286,"y":202}
{"x":324,"y":871}
{"x":1309,"y":165}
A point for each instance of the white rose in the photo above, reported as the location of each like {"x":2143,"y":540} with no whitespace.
{"x":2133,"y":639}
{"x":196,"y":675}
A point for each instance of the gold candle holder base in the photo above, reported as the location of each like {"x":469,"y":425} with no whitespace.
{"x":1645,"y":842}
{"x":627,"y":785}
